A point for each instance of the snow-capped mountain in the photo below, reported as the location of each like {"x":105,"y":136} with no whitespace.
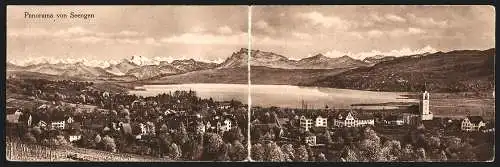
{"x":378,"y":58}
{"x":273,"y":60}
{"x":142,"y":61}
{"x":191,"y":65}
{"x":149,"y":71}
{"x":121,"y":68}
{"x":76,"y":69}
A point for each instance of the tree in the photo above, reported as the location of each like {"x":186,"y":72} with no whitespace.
{"x":433,"y":142}
{"x":97,"y":140}
{"x":213,"y":146}
{"x":301,"y":154}
{"x":29,"y":137}
{"x":238,"y":151}
{"x":407,"y":153}
{"x":328,"y":137}
{"x":420,"y":154}
{"x":109,"y":144}
{"x":37,"y":131}
{"x":226,"y":150}
{"x":257,"y":152}
{"x":442,"y":156}
{"x":321,"y":157}
{"x":369,"y":146}
{"x":194,"y":147}
{"x":62,"y":141}
{"x":234,"y":134}
{"x":288,"y":152}
{"x":273,"y":153}
{"x":181,"y":135}
{"x":174,"y":152}
{"x":349,"y":155}
{"x":391,"y":150}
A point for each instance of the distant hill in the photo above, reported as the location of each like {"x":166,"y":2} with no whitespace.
{"x":273,"y":60}
{"x":378,"y":58}
{"x":228,"y":75}
{"x":455,"y":71}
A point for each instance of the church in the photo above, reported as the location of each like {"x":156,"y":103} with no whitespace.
{"x":425,"y":113}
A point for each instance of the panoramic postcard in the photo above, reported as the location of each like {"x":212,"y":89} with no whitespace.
{"x":250,"y":83}
{"x":372,"y":83}
{"x":126,"y":83}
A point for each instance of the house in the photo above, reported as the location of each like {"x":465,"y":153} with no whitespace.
{"x":353,"y":119}
{"x":394,"y":120}
{"x":75,"y":136}
{"x":143,"y":128}
{"x":224,"y":105}
{"x":490,"y":127}
{"x":321,"y":122}
{"x":58,"y":124}
{"x":42,"y":124}
{"x":200,"y":128}
{"x":70,"y":120}
{"x":305,"y":123}
{"x":310,"y":139}
{"x":472,"y":123}
{"x":150,"y":128}
{"x":226,"y":126}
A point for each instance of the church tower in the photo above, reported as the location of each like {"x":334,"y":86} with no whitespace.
{"x":424,"y":107}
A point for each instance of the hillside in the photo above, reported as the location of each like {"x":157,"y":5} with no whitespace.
{"x":273,"y":60}
{"x":231,"y":75}
{"x":456,"y":71}
{"x":276,"y":76}
{"x":260,"y":75}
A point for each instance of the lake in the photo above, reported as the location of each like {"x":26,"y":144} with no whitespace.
{"x":281,"y":95}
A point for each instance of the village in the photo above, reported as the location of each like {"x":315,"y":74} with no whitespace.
{"x":174,"y":125}
{"x":168,"y":125}
{"x":330,"y":134}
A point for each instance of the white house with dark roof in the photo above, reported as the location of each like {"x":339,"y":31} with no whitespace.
{"x":321,"y":122}
{"x":353,"y":119}
{"x":306,"y":123}
{"x":472,"y":123}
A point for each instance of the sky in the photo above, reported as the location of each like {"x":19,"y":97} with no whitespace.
{"x":213,"y":33}
{"x":362,"y":31}
{"x":207,"y":33}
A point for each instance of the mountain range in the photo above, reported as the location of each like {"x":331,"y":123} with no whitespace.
{"x":142,"y":68}
{"x":273,"y":60}
{"x":458,"y":70}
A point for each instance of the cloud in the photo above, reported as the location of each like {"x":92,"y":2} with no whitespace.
{"x":317,"y":18}
{"x":428,"y":21}
{"x":224,"y":30}
{"x":376,"y":17}
{"x":264,"y":26}
{"x":80,"y":34}
{"x":397,"y":53}
{"x":301,"y":35}
{"x":395,"y":18}
{"x":267,"y":40}
{"x":207,"y":38}
{"x":375,"y":33}
{"x":197,"y":29}
{"x":404,"y":32}
{"x":28,"y":32}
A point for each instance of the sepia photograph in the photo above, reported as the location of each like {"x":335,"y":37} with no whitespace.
{"x":372,"y":83}
{"x":250,"y":83}
{"x":126,"y":83}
